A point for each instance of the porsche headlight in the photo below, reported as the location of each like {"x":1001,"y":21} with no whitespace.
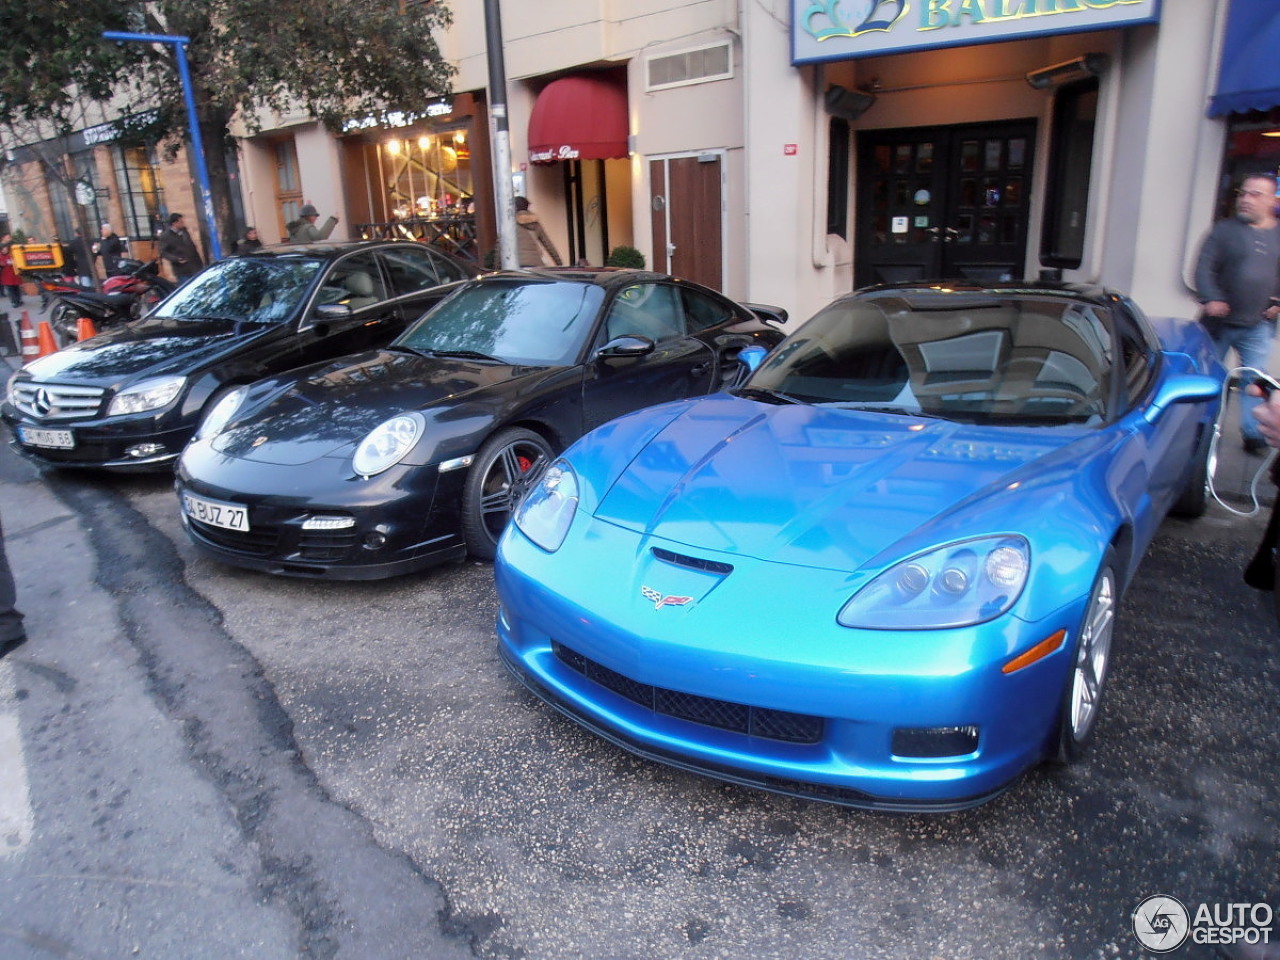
{"x":545,"y":514}
{"x":387,"y":443}
{"x":217,"y":418}
{"x":954,"y":586}
{"x":148,"y":395}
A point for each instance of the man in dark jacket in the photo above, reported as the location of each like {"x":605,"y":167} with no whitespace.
{"x":110,"y":248}
{"x":177,"y":247}
{"x":1237,"y":274}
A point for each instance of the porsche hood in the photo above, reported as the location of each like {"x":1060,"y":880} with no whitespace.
{"x":820,"y":487}
{"x":332,"y":407}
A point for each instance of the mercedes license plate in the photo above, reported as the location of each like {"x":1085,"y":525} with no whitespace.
{"x":216,"y":513}
{"x":57,"y":439}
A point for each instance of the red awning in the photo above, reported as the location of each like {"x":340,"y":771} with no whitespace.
{"x":578,"y":118}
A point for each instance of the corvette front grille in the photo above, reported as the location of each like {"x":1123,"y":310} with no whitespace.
{"x":56,"y":401}
{"x":722,"y":714}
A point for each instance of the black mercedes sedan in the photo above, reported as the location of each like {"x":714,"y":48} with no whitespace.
{"x":129,"y":399}
{"x":395,"y":459}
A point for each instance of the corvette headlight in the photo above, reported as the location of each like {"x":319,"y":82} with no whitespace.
{"x":218,"y":417}
{"x":387,"y":443}
{"x":148,"y":395}
{"x":954,"y":586}
{"x":545,"y":514}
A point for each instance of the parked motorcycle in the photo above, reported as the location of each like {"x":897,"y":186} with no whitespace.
{"x":126,"y":296}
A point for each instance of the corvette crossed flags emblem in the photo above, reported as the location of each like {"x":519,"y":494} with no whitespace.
{"x":659,"y":601}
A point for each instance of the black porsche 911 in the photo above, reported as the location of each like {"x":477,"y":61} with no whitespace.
{"x":395,"y":459}
{"x":130,"y":398}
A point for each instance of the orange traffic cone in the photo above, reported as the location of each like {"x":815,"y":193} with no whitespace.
{"x":85,"y":329}
{"x":30,"y":342}
{"x":45,"y":339}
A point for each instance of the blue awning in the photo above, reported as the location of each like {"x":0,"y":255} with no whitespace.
{"x":1249,"y":78}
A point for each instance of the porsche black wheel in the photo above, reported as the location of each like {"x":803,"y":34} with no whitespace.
{"x":506,"y":467}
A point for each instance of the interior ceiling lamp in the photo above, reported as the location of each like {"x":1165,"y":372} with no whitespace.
{"x":847,"y":104}
{"x":1081,"y":68}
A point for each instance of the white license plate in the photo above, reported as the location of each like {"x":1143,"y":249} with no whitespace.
{"x":58,"y":439}
{"x":229,"y":516}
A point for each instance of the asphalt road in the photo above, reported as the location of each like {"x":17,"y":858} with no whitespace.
{"x":202,"y":762}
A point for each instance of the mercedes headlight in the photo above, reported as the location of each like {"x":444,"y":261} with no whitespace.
{"x":953,"y":586}
{"x":387,"y":443}
{"x":148,"y":395}
{"x":545,"y":514}
{"x":216,"y":420}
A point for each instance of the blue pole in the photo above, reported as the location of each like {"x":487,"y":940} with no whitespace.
{"x":197,"y":142}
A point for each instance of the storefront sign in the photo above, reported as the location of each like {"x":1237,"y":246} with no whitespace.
{"x":550,"y":155}
{"x":845,"y":29}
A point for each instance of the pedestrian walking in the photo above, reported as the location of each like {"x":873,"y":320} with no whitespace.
{"x":81,"y":260}
{"x":109,"y":248}
{"x":9,"y":278}
{"x":530,"y":236}
{"x":177,"y":247}
{"x":1237,"y":275}
{"x":304,"y":229}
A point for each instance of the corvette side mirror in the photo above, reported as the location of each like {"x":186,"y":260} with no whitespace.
{"x":750,"y":357}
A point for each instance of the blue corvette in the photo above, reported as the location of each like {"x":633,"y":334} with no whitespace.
{"x":884,"y":571}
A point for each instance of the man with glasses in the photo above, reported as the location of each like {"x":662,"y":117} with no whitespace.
{"x":1237,"y":277}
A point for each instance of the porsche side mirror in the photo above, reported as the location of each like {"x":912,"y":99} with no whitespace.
{"x":628,"y":345}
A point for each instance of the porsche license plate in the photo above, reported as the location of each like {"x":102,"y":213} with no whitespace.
{"x":216,"y":513}
{"x":57,"y":439}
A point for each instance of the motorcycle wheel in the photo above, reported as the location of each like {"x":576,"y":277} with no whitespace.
{"x":65,"y":322}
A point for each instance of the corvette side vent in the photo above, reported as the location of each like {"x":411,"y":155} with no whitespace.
{"x":694,"y":563}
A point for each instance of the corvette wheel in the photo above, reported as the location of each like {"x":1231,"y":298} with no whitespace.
{"x":506,"y":467}
{"x":1086,"y":683}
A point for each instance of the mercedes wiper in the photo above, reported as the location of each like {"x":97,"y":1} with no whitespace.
{"x":466,"y":355}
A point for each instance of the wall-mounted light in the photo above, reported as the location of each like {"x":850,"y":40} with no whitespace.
{"x":424,"y":143}
{"x":1271,"y":133}
{"x":847,"y":104}
{"x":393,"y":146}
{"x":1081,"y":68}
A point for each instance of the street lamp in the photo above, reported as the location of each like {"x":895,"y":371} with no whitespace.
{"x":197,"y":143}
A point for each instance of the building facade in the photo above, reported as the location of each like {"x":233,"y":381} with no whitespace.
{"x":787,"y":151}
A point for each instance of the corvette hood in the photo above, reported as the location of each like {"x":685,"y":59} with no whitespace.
{"x":823,"y":487}
{"x":333,"y":406}
{"x":149,"y":349}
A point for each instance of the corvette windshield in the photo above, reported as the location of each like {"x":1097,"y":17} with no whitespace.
{"x":521,"y":322}
{"x":971,"y":358}
{"x":243,"y":288}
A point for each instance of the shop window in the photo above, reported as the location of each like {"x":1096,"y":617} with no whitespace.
{"x":1075,"y":113}
{"x":838,"y":178}
{"x":141,"y":197}
{"x":61,"y":197}
{"x":1253,"y":147}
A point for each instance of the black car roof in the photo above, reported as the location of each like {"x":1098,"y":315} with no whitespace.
{"x":330,"y":249}
{"x":1091,"y":293}
{"x":609,"y":278}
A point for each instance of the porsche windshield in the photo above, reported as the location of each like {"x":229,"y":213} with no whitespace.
{"x":251,"y":289}
{"x":972,"y":359}
{"x":538,"y":323}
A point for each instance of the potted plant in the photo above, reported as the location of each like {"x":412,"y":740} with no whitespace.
{"x":625,"y":257}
